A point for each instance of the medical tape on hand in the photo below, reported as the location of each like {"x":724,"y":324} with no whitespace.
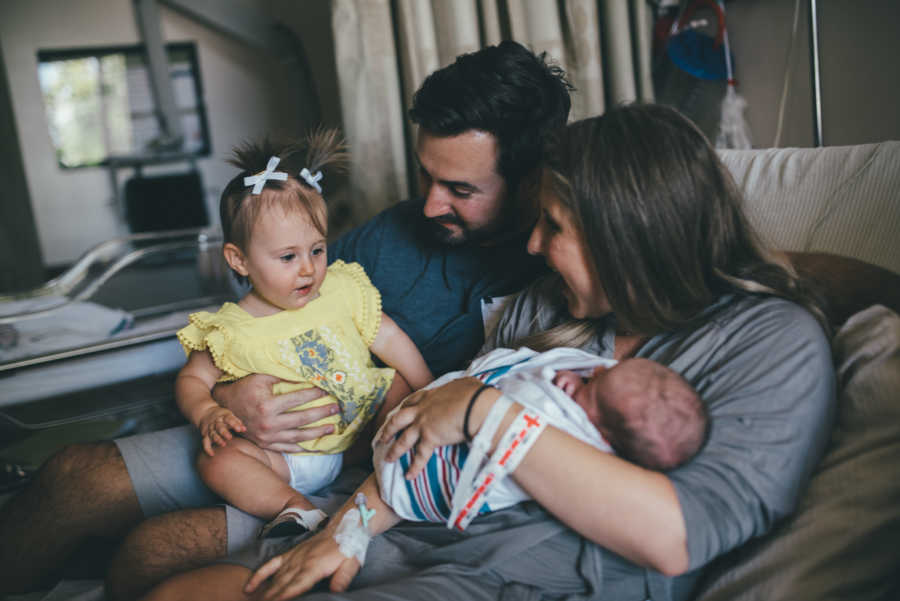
{"x":512,"y":448}
{"x":259,"y":180}
{"x":352,"y":536}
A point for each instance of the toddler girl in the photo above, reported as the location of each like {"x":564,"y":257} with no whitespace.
{"x":302,"y":321}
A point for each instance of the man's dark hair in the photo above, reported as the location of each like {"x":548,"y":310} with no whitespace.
{"x":505,"y":90}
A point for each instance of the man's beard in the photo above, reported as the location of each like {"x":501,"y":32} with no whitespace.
{"x":462,"y":234}
{"x":455,"y":237}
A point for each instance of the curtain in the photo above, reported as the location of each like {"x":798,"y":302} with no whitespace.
{"x":385,"y":49}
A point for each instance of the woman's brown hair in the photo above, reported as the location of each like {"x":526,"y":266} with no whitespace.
{"x":663,"y":219}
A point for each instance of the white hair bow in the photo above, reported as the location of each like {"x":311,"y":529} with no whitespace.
{"x":259,"y":180}
{"x":312,"y":180}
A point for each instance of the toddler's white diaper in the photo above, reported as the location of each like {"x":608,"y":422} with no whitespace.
{"x":310,"y":473}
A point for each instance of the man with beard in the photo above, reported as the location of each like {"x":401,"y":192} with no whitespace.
{"x":482,"y":121}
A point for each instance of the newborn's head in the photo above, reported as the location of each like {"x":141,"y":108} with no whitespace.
{"x":647,"y":412}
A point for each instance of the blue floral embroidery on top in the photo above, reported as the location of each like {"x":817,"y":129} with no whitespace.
{"x":317,"y":366}
{"x":312,"y":351}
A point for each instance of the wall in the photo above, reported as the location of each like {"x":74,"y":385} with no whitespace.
{"x":860,"y":75}
{"x":311,"y":21}
{"x":247,"y":94}
{"x":860,"y":81}
{"x":20,"y":254}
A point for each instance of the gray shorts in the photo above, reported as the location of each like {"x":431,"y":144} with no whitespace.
{"x":162,"y":467}
{"x":164,"y":476}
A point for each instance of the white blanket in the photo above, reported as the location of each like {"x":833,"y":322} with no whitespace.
{"x":69,"y":326}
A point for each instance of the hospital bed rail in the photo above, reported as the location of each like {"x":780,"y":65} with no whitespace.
{"x":162,"y":277}
{"x":75,"y":284}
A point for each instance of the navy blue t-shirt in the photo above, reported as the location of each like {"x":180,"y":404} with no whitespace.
{"x":434,"y":291}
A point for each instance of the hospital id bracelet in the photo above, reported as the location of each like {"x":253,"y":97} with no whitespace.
{"x":512,"y":448}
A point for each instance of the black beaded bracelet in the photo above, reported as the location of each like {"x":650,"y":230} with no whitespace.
{"x":469,"y":411}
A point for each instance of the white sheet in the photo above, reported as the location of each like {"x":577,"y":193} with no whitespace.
{"x":70,"y":326}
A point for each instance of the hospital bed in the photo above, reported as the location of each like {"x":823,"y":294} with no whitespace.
{"x":100,"y":339}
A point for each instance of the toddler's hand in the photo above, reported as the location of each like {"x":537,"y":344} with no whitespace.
{"x":215,"y":427}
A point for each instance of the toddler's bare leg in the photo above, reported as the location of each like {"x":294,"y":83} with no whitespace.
{"x":250,"y":478}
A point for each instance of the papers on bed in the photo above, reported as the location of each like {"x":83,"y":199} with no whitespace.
{"x":57,"y":325}
{"x":145,"y":348}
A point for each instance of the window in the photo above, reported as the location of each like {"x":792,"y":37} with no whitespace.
{"x":99,"y":102}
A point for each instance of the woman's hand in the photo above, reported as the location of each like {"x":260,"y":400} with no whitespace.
{"x":295,"y":572}
{"x":268,"y":419}
{"x":428,"y":419}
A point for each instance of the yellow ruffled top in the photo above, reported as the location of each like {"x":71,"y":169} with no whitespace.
{"x":324,"y":344}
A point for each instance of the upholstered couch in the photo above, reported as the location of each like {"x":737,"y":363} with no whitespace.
{"x":842,"y":204}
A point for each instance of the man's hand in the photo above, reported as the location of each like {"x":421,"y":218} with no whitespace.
{"x":266,"y":416}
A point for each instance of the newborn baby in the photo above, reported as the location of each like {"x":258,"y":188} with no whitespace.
{"x":638,"y":408}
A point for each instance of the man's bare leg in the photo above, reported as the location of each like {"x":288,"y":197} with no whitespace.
{"x":84,"y":490}
{"x":165,"y":545}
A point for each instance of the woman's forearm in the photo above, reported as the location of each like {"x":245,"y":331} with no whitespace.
{"x":625,"y":508}
{"x":384,"y":517}
{"x":335,"y":553}
{"x":619,"y":505}
{"x":616,"y":504}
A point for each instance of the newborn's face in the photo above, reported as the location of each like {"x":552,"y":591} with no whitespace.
{"x":610,"y":391}
{"x":592,"y":395}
